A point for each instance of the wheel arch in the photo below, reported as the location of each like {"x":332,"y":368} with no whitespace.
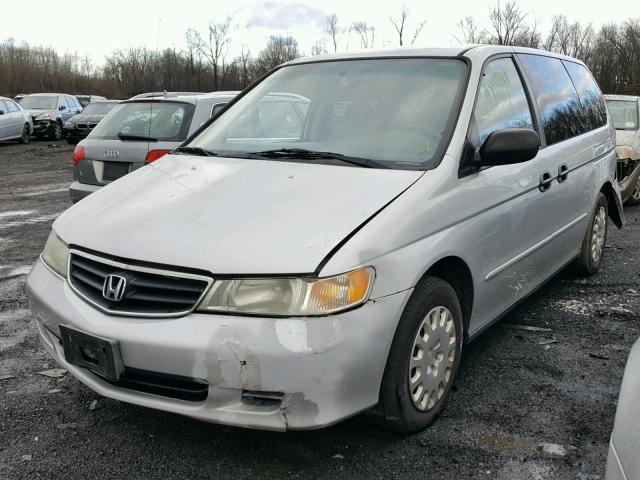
{"x":455,"y":271}
{"x":616,"y":210}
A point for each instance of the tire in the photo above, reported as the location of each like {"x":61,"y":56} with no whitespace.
{"x":595,"y":239}
{"x":26,"y":135}
{"x":72,"y":140}
{"x":634,"y":199}
{"x":401,"y":411}
{"x":56,"y":133}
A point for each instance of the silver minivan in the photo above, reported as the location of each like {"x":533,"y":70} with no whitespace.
{"x":330,"y":243}
{"x":138,"y":132}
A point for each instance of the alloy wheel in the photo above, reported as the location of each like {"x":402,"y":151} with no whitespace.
{"x":432,"y":358}
{"x":636,"y":193}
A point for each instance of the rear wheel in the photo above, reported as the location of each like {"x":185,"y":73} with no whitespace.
{"x":634,"y":199}
{"x":26,"y":134}
{"x":595,"y":239}
{"x":56,"y":133}
{"x":424,"y":358}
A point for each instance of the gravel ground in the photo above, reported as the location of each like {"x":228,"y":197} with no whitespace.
{"x":521,"y":409}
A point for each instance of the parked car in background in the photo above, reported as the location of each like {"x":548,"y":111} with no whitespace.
{"x":15,"y":123}
{"x":166,"y":94}
{"x":49,"y":111}
{"x":19,"y":97}
{"x":332,"y":239}
{"x":137,"y":132}
{"x":624,"y":110}
{"x":81,"y":124}
{"x":623,"y":462}
{"x":87,"y":99}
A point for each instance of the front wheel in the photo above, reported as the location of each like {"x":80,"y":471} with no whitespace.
{"x":26,"y":135}
{"x":634,"y":199}
{"x":56,"y":134}
{"x":424,"y":358}
{"x":590,"y":259}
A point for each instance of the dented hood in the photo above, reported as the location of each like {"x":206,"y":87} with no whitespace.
{"x":229,"y":215}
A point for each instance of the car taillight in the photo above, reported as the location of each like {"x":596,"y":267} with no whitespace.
{"x":78,"y":155}
{"x":154,"y":155}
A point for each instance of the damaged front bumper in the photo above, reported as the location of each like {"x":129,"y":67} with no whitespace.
{"x":266,"y":373}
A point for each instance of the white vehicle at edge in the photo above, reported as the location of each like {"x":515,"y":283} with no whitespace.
{"x":302,"y":260}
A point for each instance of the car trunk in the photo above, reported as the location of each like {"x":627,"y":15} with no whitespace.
{"x":108,"y":160}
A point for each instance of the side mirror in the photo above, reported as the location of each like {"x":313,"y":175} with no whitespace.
{"x":62,"y":107}
{"x":508,"y":146}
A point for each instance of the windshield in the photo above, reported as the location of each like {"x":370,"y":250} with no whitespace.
{"x":624,"y":114}
{"x":394,"y":111}
{"x":84,"y":100}
{"x":164,"y":121}
{"x":99,"y":108}
{"x":39,"y":102}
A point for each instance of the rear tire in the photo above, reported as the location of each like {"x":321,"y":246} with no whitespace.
{"x":26,"y":135}
{"x":424,"y":358}
{"x":590,"y":259}
{"x":634,"y":199}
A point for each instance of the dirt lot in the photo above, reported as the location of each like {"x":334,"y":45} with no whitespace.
{"x":522,"y":408}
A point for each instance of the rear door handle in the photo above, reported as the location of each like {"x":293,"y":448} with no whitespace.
{"x":563,"y":172}
{"x":545,"y":181}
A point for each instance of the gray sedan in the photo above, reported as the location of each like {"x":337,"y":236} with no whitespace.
{"x":15,"y":123}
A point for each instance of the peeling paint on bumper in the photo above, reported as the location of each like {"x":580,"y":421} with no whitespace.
{"x":327,"y":368}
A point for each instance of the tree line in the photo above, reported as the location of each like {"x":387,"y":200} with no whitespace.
{"x":204,"y":63}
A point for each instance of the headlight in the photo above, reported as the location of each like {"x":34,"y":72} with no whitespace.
{"x":44,"y":116}
{"x":289,"y":296}
{"x":636,"y":149}
{"x":55,"y":254}
{"x":69,"y":125}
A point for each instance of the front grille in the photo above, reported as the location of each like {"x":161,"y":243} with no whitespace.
{"x":82,"y":126}
{"x":146,"y":292}
{"x":164,"y":384}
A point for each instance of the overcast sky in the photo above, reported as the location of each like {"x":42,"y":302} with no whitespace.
{"x":101,"y":27}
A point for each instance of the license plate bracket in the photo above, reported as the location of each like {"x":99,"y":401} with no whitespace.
{"x":97,"y":354}
{"x":114,"y":170}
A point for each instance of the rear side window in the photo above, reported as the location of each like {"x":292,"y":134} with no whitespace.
{"x":594,"y":112}
{"x":502,"y":101}
{"x":217,"y":108}
{"x":556,"y":97}
{"x":3,"y":107}
{"x":163,"y":121}
{"x":11,"y":107}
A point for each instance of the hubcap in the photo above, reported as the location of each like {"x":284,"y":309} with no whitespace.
{"x":598,"y":234}
{"x":432,"y":358}
{"x":636,"y":192}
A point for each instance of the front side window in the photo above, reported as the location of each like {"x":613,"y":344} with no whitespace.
{"x":39,"y":102}
{"x":502,"y":101}
{"x":155,"y":120}
{"x":394,"y":111}
{"x":624,"y":114}
{"x":11,"y":106}
{"x":556,"y":97}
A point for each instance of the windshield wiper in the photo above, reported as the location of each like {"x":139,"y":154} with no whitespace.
{"x":304,"y":154}
{"x":201,"y":152}
{"x":125,"y":136}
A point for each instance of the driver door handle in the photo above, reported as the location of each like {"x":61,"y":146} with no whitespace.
{"x":563,"y":172}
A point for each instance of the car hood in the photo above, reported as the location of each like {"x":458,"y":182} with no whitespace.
{"x":82,"y":117}
{"x":627,"y":137}
{"x":35,"y":112}
{"x":229,"y":215}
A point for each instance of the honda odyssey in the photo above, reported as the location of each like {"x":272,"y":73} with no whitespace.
{"x":333,"y":239}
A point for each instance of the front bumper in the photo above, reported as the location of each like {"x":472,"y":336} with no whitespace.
{"x":42,"y":127}
{"x":326,"y":369}
{"x":75,"y":132}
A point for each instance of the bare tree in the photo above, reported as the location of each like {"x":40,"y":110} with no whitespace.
{"x":215,"y":48}
{"x":277,"y":51}
{"x":319,"y":48}
{"x":470,"y":31}
{"x":507,"y":23}
{"x":365,"y":32}
{"x":332,"y":29}
{"x":400,"y":24}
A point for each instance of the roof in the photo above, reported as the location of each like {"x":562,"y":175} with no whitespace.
{"x":221,"y":93}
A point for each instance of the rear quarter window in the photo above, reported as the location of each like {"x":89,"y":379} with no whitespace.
{"x":594,"y":111}
{"x":557,"y":99}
